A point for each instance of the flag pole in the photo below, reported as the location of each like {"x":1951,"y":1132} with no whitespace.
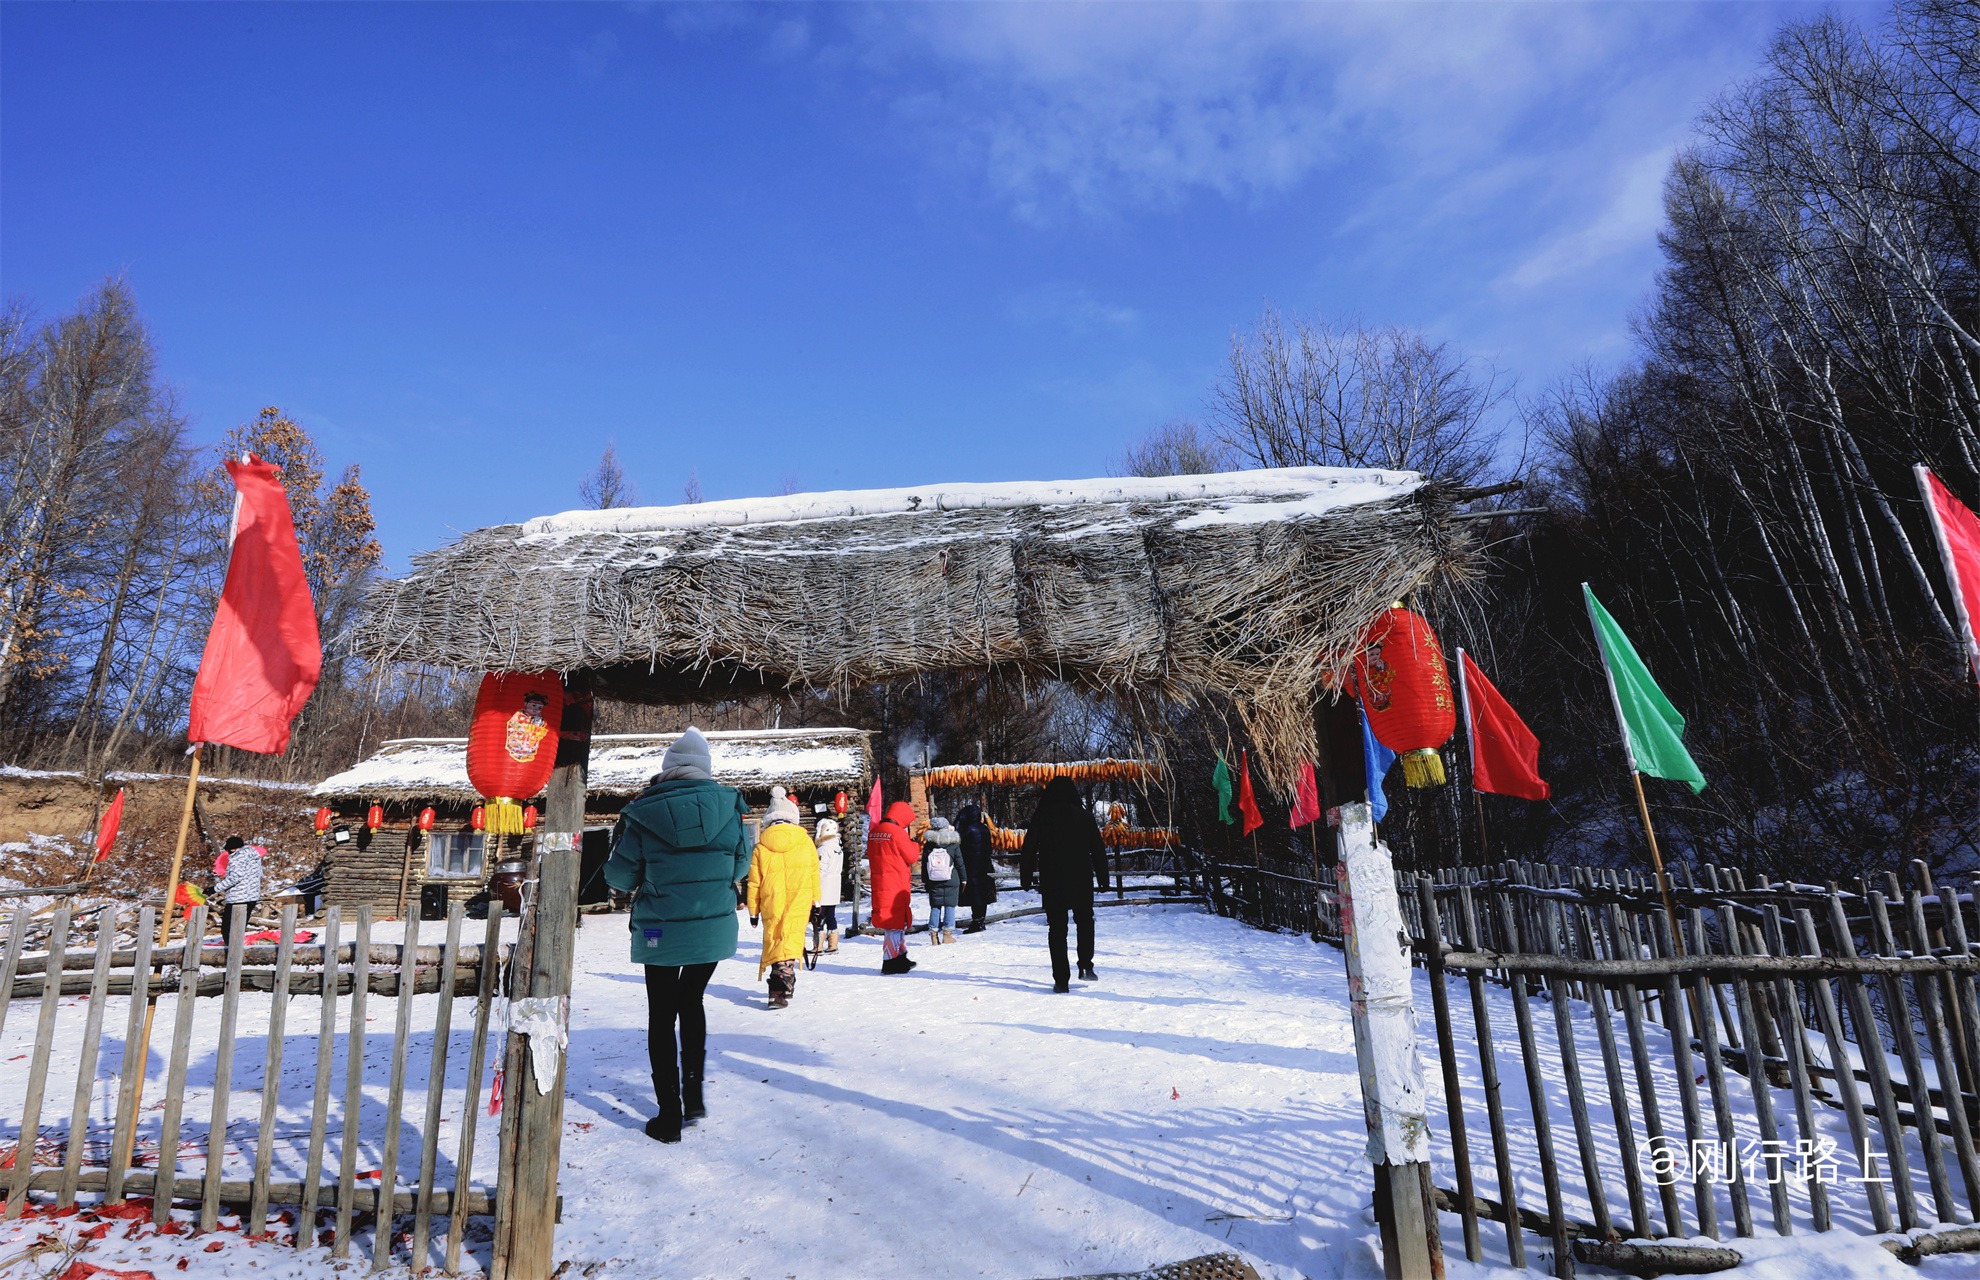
{"x":1923,"y":475}
{"x":164,"y":936}
{"x":1635,"y":777}
{"x":1471,"y":747}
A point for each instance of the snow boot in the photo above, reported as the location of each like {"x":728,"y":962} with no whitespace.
{"x":666,"y":1127}
{"x":896,"y":964}
{"x":831,"y":941}
{"x":1086,"y":974}
{"x":1061,"y":988}
{"x":692,"y":1107}
{"x":778,"y":1000}
{"x":948,"y":936}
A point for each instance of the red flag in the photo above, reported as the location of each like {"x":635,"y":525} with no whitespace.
{"x":263,"y":655}
{"x":873,"y":803}
{"x":1505,"y":756}
{"x":106,"y":826}
{"x":1958,"y":531}
{"x":1306,"y":797}
{"x":1251,"y":819}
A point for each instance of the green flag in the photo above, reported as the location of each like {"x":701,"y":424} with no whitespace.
{"x":1652,"y":729}
{"x":1221,"y":780}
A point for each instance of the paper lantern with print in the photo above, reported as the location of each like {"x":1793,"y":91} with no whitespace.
{"x":512,"y":743}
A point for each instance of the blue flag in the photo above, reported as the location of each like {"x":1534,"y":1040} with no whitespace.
{"x":1377,"y":758}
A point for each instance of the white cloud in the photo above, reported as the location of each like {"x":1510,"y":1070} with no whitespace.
{"x":1071,"y":307}
{"x":1629,"y":220}
{"x":1099,"y":108}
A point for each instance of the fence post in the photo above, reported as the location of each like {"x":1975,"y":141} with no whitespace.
{"x":1392,"y":1097}
{"x":532,"y":1222}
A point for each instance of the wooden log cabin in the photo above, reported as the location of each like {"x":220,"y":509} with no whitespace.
{"x":394,"y":867}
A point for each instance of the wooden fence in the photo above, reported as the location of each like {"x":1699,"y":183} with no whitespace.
{"x":1790,"y":1058}
{"x":302,"y":1135}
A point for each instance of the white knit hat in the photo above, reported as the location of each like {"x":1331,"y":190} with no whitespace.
{"x":782,"y":807}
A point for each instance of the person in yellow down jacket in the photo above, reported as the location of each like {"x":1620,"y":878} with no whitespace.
{"x":783,"y":887}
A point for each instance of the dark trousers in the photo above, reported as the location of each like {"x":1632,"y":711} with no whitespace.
{"x":977,"y":894}
{"x":227,"y":918}
{"x":673,"y":994}
{"x":1055,"y":918}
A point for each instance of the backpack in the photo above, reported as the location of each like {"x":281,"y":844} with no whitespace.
{"x":939,"y":867}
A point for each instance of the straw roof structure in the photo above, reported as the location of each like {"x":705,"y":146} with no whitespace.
{"x":621,"y":764}
{"x":1248,"y":585}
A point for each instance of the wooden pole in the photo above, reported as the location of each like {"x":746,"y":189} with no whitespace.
{"x":164,"y":936}
{"x":1657,"y":861}
{"x":179,"y":850}
{"x":1393,"y":1099}
{"x":531,"y":1221}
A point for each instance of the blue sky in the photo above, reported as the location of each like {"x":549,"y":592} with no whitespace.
{"x":838,"y":247}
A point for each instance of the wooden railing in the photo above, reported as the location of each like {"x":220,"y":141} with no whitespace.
{"x":328,"y":1173}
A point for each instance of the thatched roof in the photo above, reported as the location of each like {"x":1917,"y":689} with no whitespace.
{"x":1246,"y":584}
{"x":803,"y":760}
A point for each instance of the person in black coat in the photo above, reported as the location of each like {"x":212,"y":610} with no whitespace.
{"x":979,"y":872}
{"x":1064,"y":855}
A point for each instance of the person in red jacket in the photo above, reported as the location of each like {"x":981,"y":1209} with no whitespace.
{"x":890,"y":857}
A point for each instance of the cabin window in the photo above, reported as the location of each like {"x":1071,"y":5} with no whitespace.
{"x":453,"y":855}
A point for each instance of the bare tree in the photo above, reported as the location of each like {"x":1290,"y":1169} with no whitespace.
{"x":1179,"y":447}
{"x":1313,"y":394}
{"x":691,"y":491}
{"x":82,"y":422}
{"x":608,"y":486}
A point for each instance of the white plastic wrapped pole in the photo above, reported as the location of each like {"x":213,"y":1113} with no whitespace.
{"x":1379,"y":997}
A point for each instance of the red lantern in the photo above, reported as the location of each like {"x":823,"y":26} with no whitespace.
{"x":478,"y":819}
{"x":529,"y":817}
{"x":1406,"y":690}
{"x":374,"y":817}
{"x":322,"y":820}
{"x":840,"y":804}
{"x":512,"y":745}
{"x":426,"y":819}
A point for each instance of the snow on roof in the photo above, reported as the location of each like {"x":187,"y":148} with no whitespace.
{"x":621,"y":764}
{"x":1286,"y":491}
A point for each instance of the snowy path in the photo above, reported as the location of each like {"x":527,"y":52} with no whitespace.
{"x":964,"y":1120}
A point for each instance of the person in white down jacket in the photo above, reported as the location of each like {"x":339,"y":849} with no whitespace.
{"x":831,"y":873}
{"x":239,"y":880}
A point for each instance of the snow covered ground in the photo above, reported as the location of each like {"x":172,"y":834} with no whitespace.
{"x":959,"y":1121}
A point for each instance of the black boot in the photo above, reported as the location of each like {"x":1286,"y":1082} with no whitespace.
{"x":692,"y":1108}
{"x":896,"y":964}
{"x":665,"y":1127}
{"x":1086,"y":974}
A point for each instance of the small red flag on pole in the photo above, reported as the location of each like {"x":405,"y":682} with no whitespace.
{"x":1505,"y":756}
{"x":1251,"y":819}
{"x":263,"y":655}
{"x":106,"y":827}
{"x":1306,"y":797}
{"x":1958,"y":532}
{"x":873,"y":803}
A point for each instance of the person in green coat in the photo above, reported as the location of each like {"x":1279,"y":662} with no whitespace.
{"x":680,"y":848}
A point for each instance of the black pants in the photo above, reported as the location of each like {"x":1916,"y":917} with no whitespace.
{"x":673,"y":994}
{"x":978,"y":891}
{"x":1055,"y":917}
{"x":227,"y":919}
